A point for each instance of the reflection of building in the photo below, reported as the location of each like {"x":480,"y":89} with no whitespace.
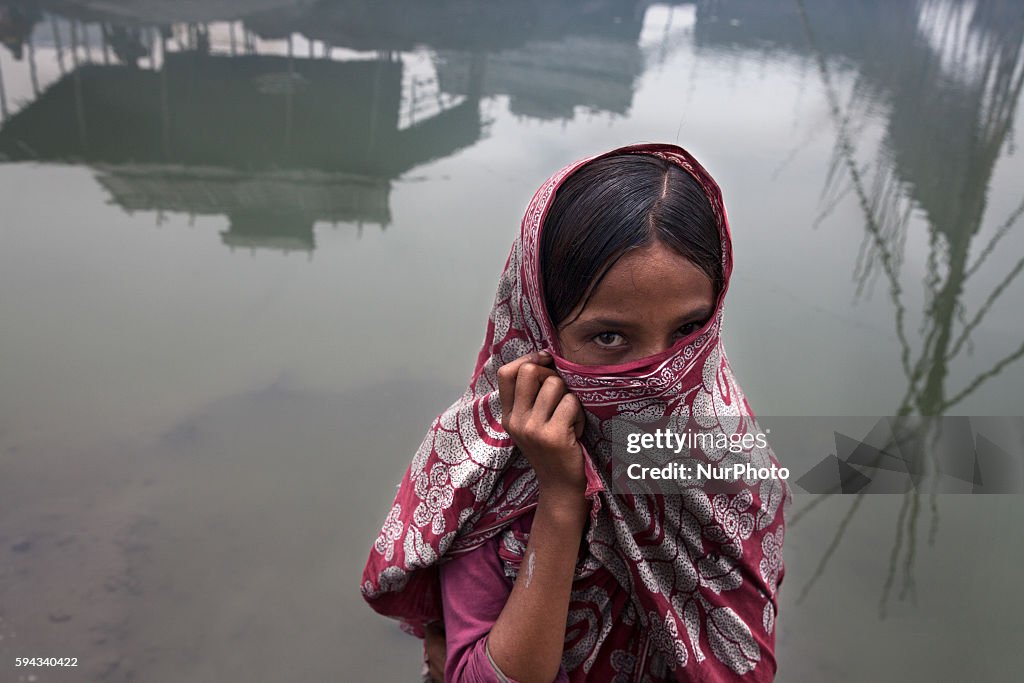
{"x":548,"y":57}
{"x":153,"y":12}
{"x":249,"y":112}
{"x":275,"y":143}
{"x":271,"y":209}
{"x":181,"y":114}
{"x":548,"y":80}
{"x":464,"y":25}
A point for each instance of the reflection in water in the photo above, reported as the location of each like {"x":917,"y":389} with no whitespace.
{"x":271,"y":122}
{"x":245,"y":136}
{"x":548,"y":58}
{"x":16,"y":29}
{"x":971,"y":111}
{"x":275,"y":142}
{"x":278,"y":114}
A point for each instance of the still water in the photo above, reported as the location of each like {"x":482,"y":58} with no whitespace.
{"x":247,"y":251}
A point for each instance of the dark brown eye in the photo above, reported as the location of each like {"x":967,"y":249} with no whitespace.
{"x":689,"y":328}
{"x":609,"y":339}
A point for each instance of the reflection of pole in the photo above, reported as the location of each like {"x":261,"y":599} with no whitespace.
{"x":74,"y":44}
{"x":374,"y":104}
{"x":105,"y":35}
{"x":231,"y":36}
{"x":3,"y":95}
{"x":86,"y":44}
{"x":33,"y":75}
{"x":288,"y":95}
{"x":55,"y":30}
{"x":412,"y":100}
{"x":80,"y":109}
{"x":77,"y":73}
{"x":165,"y":118}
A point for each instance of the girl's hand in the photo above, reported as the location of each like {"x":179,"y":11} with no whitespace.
{"x":545,"y":421}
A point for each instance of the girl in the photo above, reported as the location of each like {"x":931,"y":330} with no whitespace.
{"x":506,"y":547}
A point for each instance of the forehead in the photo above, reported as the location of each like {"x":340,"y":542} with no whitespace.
{"x":654,"y":271}
{"x":654,"y":281}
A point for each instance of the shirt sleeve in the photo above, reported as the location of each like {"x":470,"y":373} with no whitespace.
{"x":474,"y":590}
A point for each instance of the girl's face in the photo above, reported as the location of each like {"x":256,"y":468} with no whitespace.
{"x":650,"y":299}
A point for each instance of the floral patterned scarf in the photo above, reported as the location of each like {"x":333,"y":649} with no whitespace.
{"x":671,"y":586}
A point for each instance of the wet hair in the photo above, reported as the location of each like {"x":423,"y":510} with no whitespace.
{"x":611,"y":206}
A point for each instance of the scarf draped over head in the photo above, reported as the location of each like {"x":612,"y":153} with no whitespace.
{"x":700,"y":569}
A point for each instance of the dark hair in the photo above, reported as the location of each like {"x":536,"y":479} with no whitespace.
{"x":616,"y":204}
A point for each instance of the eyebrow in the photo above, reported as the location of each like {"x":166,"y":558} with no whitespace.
{"x":698,"y":313}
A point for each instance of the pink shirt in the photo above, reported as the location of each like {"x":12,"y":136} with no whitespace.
{"x":474,"y":590}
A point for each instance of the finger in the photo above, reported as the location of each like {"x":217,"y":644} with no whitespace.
{"x":528,"y":382}
{"x":552,"y":389}
{"x":507,"y":378}
{"x":569,"y":413}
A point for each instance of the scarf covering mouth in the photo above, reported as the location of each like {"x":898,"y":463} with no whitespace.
{"x":696,"y":573}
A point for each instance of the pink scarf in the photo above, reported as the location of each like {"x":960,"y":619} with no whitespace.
{"x":695,"y":574}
